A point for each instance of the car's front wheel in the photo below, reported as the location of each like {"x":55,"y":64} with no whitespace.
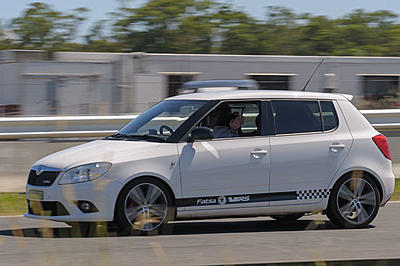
{"x":144,"y":206}
{"x":354,"y":201}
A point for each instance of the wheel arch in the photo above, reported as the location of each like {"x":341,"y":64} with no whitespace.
{"x":366,"y":172}
{"x":145,"y":178}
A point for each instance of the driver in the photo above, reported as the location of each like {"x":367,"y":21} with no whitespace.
{"x":214,"y":117}
{"x":228,"y":126}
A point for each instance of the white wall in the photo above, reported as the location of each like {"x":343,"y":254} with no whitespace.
{"x":86,"y":57}
{"x":149,"y":89}
{"x":73,"y":92}
{"x":235,"y":66}
{"x":9,"y":83}
{"x":346,"y":69}
{"x":127,"y":83}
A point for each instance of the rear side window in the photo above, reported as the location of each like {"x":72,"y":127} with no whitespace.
{"x":296,"y":116}
{"x":329,"y":115}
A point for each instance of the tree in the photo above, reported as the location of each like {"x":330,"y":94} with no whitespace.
{"x":41,"y":27}
{"x":234,"y":31}
{"x":155,"y":27}
{"x":281,"y":31}
{"x":243,"y":38}
{"x":364,"y":33}
{"x":5,"y":41}
{"x":194,"y":35}
{"x":206,"y":26}
{"x":317,"y":37}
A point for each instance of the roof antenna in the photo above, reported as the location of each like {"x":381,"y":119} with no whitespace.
{"x":312,"y":75}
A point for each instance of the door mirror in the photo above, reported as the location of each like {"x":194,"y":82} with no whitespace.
{"x":201,"y":133}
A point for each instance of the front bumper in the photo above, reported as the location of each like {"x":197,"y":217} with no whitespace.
{"x":102,"y":192}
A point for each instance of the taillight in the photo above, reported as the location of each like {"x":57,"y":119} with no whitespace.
{"x":381,"y":142}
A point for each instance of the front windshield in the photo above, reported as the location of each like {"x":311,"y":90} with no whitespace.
{"x":161,"y":120}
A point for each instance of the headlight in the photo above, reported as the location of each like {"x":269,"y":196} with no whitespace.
{"x":85,"y":173}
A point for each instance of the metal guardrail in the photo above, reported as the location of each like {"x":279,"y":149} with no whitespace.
{"x":100,"y":126}
{"x":61,"y":126}
{"x":384,"y":113}
{"x":387,"y":127}
{"x":56,"y":134}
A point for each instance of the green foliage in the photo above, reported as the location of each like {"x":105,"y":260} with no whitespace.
{"x":159,"y":26}
{"x":5,"y":43}
{"x":41,"y":27}
{"x":396,"y":194}
{"x":207,"y":26}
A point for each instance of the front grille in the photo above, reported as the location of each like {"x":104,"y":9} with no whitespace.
{"x":46,"y":208}
{"x":46,"y":178}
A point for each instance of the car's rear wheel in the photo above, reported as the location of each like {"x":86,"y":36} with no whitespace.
{"x":354,"y":201}
{"x":145,"y":207}
{"x":287,"y":217}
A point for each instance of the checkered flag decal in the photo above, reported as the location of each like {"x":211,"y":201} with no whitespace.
{"x":312,"y":194}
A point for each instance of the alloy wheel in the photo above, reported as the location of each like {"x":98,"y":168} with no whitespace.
{"x":145,"y":207}
{"x":356,"y":200}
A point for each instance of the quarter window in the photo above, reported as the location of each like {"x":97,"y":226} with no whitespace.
{"x":296,"y":116}
{"x":329,"y":115}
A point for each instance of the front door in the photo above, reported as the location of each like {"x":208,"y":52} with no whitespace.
{"x":231,"y":170}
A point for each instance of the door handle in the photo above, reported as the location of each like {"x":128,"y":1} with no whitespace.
{"x":258,"y":152}
{"x":335,"y":147}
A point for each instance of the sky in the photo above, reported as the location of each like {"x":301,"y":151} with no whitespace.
{"x":99,"y":8}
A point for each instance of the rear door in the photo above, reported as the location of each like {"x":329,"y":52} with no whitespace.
{"x":307,"y":150}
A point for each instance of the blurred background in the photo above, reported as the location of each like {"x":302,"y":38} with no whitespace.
{"x":70,"y":73}
{"x":73,"y":71}
{"x":65,"y":62}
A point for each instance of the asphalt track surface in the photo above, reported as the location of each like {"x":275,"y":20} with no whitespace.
{"x":225,"y":242}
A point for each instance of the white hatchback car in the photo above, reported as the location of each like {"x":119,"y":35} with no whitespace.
{"x":295,"y":153}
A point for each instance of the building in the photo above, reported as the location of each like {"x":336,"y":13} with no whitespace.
{"x":71,"y":83}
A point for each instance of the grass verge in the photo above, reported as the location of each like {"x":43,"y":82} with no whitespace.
{"x":396,"y":194}
{"x":12,"y":203}
{"x":15,"y":204}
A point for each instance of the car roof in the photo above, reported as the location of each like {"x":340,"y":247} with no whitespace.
{"x":260,"y":94}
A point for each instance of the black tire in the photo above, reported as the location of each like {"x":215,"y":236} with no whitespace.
{"x":290,"y":217}
{"x":148,"y":217}
{"x":354,"y":201}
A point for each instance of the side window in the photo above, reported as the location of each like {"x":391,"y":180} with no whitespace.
{"x":329,"y":115}
{"x":234,"y":119}
{"x":296,"y":116}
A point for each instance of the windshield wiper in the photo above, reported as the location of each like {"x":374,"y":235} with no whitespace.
{"x":127,"y":136}
{"x":117,"y":136}
{"x":147,"y":136}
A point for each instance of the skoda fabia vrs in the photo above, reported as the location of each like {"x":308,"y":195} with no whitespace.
{"x":222,"y":154}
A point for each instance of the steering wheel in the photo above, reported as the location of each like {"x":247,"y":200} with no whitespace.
{"x":162,"y":127}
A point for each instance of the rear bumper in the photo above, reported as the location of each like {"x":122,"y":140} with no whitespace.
{"x":387,"y":188}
